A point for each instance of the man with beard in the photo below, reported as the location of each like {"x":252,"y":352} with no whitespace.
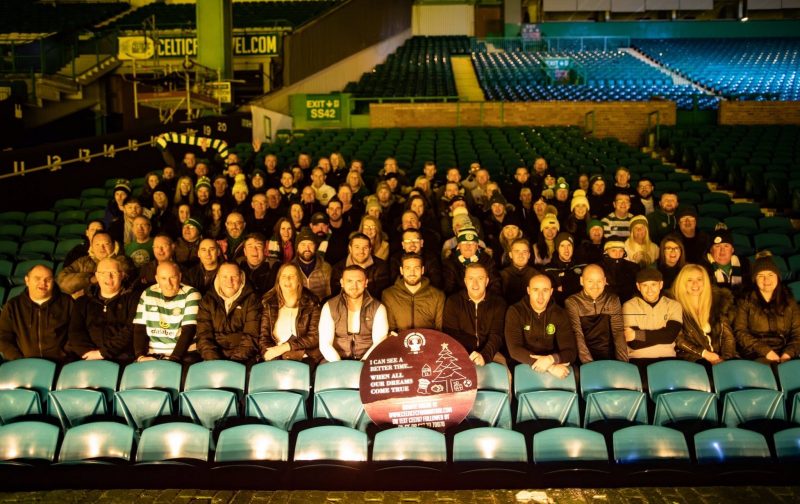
{"x":339,"y":236}
{"x":596,"y":318}
{"x":412,"y":242}
{"x":100,"y":327}
{"x":232,"y":245}
{"x":352,"y":323}
{"x":475,"y":317}
{"x":228,"y":318}
{"x":695,"y":241}
{"x":187,"y":245}
{"x":78,"y":276}
{"x":518,"y":274}
{"x":412,"y":302}
{"x":316,"y":271}
{"x":662,"y":221}
{"x":257,"y":270}
{"x":642,"y":201}
{"x":163,"y":251}
{"x":360,"y":254}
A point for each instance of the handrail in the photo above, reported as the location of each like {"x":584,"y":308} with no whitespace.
{"x":589,"y":118}
{"x":654,"y":140}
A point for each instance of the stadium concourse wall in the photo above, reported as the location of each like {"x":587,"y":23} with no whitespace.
{"x":627,"y":121}
{"x":758,"y":112}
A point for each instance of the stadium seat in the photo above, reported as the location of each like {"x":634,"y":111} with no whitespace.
{"x":280,"y":375}
{"x":718,"y":211}
{"x":71,"y":217}
{"x":11,"y":231}
{"x":682,"y":395}
{"x":212,"y":391}
{"x":31,"y":374}
{"x":6,"y":268}
{"x":218,"y":374}
{"x":725,"y":445}
{"x":100,"y":375}
{"x":97,"y":442}
{"x":794,"y":288}
{"x":750,"y":396}
{"x":64,"y":246}
{"x":789,"y":376}
{"x":39,"y":232}
{"x":329,"y":456}
{"x":544,"y":401}
{"x":787,"y":445}
{"x":28,"y":443}
{"x":569,"y":444}
{"x":776,"y":224}
{"x":66,"y":204}
{"x":252,"y":443}
{"x":18,"y":403}
{"x":281,"y":409}
{"x":742,"y":225}
{"x":83,"y":392}
{"x":175,"y":443}
{"x":36,"y":249}
{"x":12,"y":217}
{"x":8,"y":249}
{"x":338,"y":375}
{"x":408,"y":457}
{"x":337,"y":396}
{"x":40,"y":217}
{"x":778,"y":244}
{"x":71,"y":231}
{"x":90,"y":204}
{"x":613,"y":394}
{"x":746,"y":210}
{"x":733,"y":375}
{"x":648,"y":443}
{"x":161,"y":375}
{"x":147,"y":391}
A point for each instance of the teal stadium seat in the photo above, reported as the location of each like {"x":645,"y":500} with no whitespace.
{"x":175,"y":443}
{"x":649,"y":443}
{"x":97,"y":442}
{"x":725,"y":445}
{"x":252,"y":443}
{"x":28,"y":443}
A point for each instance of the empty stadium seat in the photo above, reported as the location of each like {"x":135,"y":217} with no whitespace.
{"x":26,"y":443}
{"x":176,"y":443}
{"x":613,"y":394}
{"x":97,"y":442}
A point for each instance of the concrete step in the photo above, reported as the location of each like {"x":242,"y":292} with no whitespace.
{"x":467,"y":84}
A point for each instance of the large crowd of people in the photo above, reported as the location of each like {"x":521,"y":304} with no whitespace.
{"x":254,"y":263}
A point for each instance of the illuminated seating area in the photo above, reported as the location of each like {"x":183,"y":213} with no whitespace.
{"x":761,"y":69}
{"x":279,"y":423}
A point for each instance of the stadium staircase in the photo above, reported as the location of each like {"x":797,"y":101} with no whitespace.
{"x":467,"y":85}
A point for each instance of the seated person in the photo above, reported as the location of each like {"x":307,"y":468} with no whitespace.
{"x":652,"y":321}
{"x":352,"y":323}
{"x":538,"y":332}
{"x":36,"y":323}
{"x":706,"y":336}
{"x":725,"y":268}
{"x":101,"y":327}
{"x":767,"y":325}
{"x":202,"y":274}
{"x":596,"y":318}
{"x":79,"y":275}
{"x":474,"y":317}
{"x":166,"y":318}
{"x":228,"y":317}
{"x":412,"y":302}
{"x":620,"y":273}
{"x":289,"y":319}
{"x":515,"y":276}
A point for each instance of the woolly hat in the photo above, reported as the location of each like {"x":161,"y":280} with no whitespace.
{"x":578,"y":200}
{"x":191,"y":221}
{"x":202,"y":181}
{"x":549,"y":220}
{"x":594,"y":179}
{"x":613,"y":243}
{"x":497,"y":198}
{"x":562,"y":184}
{"x":122,"y":185}
{"x":594,"y":223}
{"x":578,"y":192}
{"x":686,"y":211}
{"x":305,"y":234}
{"x":373,"y":203}
{"x":638,"y":219}
{"x":649,"y":275}
{"x":721,"y":236}
{"x":240,"y":184}
{"x":764,"y":262}
{"x":563,"y":236}
{"x":462,"y":221}
{"x":468,"y":234}
{"x":460,"y":211}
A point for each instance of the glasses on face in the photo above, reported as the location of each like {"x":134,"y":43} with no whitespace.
{"x":672,"y":249}
{"x":410,"y":242}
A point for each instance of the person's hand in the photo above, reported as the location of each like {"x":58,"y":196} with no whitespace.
{"x":477,"y":359}
{"x":144,"y":358}
{"x":559,"y":370}
{"x":711,"y":357}
{"x":630,"y":334}
{"x":542,"y":363}
{"x":772,"y":356}
{"x":92,"y":355}
{"x":273,"y":353}
{"x":785,"y":357}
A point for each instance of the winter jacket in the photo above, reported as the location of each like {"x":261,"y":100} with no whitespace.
{"x":692,"y":340}
{"x":422,"y":309}
{"x":515,"y":282}
{"x":478,"y":327}
{"x":656,"y":326}
{"x":28,"y":329}
{"x":228,"y":334}
{"x":597,"y":324}
{"x":620,"y":277}
{"x":104,"y":325}
{"x":78,"y":275}
{"x":762,"y":327}
{"x":453,"y":271}
{"x":566,"y":278}
{"x":319,"y":280}
{"x":306,"y":337}
{"x":548,"y":333}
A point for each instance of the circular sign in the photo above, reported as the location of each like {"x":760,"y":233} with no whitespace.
{"x":421,"y":377}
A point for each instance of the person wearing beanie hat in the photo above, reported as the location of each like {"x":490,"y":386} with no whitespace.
{"x":561,"y":200}
{"x":316,"y":272}
{"x":122,"y":189}
{"x":468,"y":250}
{"x":187,"y":245}
{"x":591,"y":249}
{"x":724,"y":267}
{"x":601,"y":201}
{"x":240,"y":192}
{"x":202,"y":201}
{"x":563,"y":269}
{"x":695,"y":241}
{"x":497,"y":218}
{"x":651,"y":320}
{"x":767,"y":327}
{"x":544,"y":248}
{"x":620,"y":272}
{"x":638,"y":247}
{"x":577,"y":220}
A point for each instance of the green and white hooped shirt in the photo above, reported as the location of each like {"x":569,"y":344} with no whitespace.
{"x":163,"y":318}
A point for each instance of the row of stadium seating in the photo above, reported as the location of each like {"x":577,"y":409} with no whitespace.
{"x":732,"y":67}
{"x":245,"y":14}
{"x":413,"y":457}
{"x":609,"y":395}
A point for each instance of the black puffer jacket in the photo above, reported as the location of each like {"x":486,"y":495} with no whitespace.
{"x":762,"y":327}
{"x":228,"y":335}
{"x":103,"y":324}
{"x":306,"y":337}
{"x":691,"y":341}
{"x":31,"y":330}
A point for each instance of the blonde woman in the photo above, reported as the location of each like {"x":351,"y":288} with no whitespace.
{"x":638,"y":247}
{"x":184,"y":192}
{"x":706,"y":336}
{"x":371,"y":227}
